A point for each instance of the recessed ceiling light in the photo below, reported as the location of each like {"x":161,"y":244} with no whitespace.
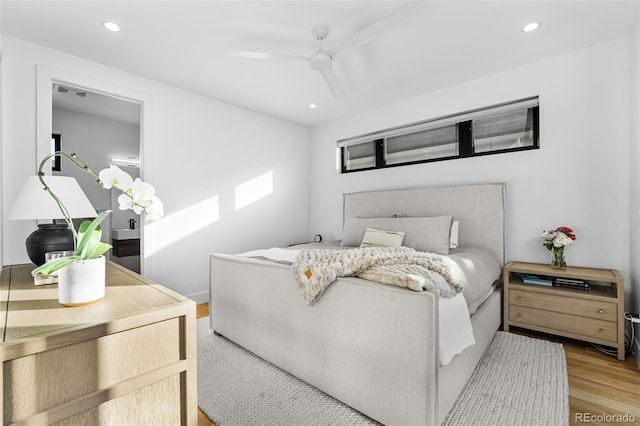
{"x":111,"y":26}
{"x":313,"y":106}
{"x":530,"y":27}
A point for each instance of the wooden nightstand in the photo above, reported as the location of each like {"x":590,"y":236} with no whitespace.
{"x":129,"y":359}
{"x":595,"y":316}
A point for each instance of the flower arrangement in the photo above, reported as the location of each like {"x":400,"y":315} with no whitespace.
{"x":559,"y":237}
{"x":555,"y":240}
{"x":136,"y":195}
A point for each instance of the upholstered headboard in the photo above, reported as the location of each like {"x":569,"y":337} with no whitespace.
{"x":479,"y":209}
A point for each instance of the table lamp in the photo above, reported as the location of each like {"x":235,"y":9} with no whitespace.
{"x":34,"y":203}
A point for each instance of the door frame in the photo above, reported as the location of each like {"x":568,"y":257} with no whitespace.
{"x":46,"y":77}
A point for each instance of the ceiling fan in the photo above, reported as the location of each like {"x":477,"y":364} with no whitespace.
{"x":322,"y":59}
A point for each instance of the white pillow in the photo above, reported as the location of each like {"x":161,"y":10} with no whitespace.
{"x":453,"y":237}
{"x":429,"y":234}
{"x":379,"y":237}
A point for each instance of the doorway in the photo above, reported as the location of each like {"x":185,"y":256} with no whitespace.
{"x":101,"y":130}
{"x":104,"y":124}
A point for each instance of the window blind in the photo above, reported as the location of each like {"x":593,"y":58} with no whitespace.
{"x":440,"y":121}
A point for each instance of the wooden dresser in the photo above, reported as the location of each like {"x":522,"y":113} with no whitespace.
{"x":595,"y":316}
{"x":129,"y":359}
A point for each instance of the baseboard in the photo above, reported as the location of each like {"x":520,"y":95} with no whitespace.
{"x":200,"y":297}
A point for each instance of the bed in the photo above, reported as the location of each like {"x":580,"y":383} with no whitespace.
{"x":372,"y":346}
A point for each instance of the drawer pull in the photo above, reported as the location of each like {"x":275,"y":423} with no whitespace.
{"x":601,"y":330}
{"x":519,"y":298}
{"x":518,"y":316}
{"x":601,"y":311}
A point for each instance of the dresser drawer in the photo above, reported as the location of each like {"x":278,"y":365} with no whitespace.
{"x":606,"y":311}
{"x":587,"y":327}
{"x":47,"y":379}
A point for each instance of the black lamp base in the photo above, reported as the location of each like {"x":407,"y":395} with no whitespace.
{"x":48,"y":237}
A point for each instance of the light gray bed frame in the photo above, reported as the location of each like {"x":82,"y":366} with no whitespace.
{"x":372,"y":346}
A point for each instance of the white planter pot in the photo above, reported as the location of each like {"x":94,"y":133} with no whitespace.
{"x":82,"y":282}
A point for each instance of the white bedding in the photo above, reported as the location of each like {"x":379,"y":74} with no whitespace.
{"x":454,"y":328}
{"x":276,"y":254}
{"x":480,"y":270}
{"x":480,"y":267}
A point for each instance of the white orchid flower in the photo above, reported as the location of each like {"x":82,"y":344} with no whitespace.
{"x":126,"y":202}
{"x":114,"y":177}
{"x":141,"y":198}
{"x":156,"y":210}
{"x":136,"y":194}
{"x":142,"y":192}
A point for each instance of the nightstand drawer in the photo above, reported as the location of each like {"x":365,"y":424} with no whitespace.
{"x":588,"y":327}
{"x":595,"y":309}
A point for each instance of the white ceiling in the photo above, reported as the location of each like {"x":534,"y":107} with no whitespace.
{"x":76,"y":99}
{"x":437,"y":44}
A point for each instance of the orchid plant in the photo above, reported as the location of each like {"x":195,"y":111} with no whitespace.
{"x":136,"y":195}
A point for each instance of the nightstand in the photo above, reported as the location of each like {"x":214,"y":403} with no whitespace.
{"x":595,"y":316}
{"x":129,"y":359}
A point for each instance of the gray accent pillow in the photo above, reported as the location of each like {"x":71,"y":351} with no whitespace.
{"x":421,"y":233}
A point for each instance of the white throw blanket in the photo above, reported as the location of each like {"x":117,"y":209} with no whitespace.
{"x":315,"y":270}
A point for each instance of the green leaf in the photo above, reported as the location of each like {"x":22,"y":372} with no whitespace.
{"x":99,"y":250}
{"x":92,"y":241}
{"x":86,"y":235}
{"x":55,"y":265}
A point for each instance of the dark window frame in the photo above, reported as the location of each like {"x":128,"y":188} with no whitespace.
{"x":465,"y":145}
{"x":56,"y":164}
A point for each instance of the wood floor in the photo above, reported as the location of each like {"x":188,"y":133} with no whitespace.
{"x":202,"y":311}
{"x":599,"y":384}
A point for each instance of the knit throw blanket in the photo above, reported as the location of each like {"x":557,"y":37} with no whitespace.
{"x":314,"y":270}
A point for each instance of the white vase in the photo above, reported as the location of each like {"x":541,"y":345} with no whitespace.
{"x":82,"y":282}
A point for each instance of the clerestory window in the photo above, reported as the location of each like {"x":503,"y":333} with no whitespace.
{"x":508,"y":127}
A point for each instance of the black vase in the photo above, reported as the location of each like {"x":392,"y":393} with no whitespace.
{"x":48,"y":237}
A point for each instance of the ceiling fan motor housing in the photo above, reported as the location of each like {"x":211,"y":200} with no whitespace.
{"x":320,"y":61}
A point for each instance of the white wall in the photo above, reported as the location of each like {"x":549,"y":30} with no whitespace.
{"x":634,"y":53}
{"x":579,"y":177}
{"x":201,"y":149}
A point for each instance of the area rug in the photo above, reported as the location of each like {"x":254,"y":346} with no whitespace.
{"x":519,"y":381}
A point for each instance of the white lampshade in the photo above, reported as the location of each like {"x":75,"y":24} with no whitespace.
{"x":33,"y":202}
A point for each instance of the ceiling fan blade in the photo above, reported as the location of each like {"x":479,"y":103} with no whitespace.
{"x":334,"y":84}
{"x":365,"y":35}
{"x":265,"y":55}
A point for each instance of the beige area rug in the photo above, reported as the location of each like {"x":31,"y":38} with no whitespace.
{"x":519,"y":381}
